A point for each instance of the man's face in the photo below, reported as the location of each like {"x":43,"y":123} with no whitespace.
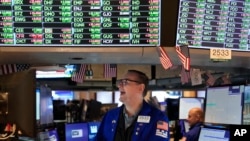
{"x":130,"y":87}
{"x":192,"y":118}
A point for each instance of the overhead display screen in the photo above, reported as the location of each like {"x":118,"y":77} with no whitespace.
{"x":80,"y":22}
{"x":214,"y":23}
{"x":224,"y":105}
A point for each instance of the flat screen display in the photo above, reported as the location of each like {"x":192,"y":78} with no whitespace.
{"x":246,"y":108}
{"x":80,"y":22}
{"x":93,"y":129}
{"x":46,"y":106}
{"x":214,"y":134}
{"x":224,"y":105}
{"x":67,"y":73}
{"x":214,"y":23}
{"x":76,"y":132}
{"x":188,"y":103}
{"x":38,"y":110}
{"x":65,"y":95}
{"x":51,"y":135}
{"x":104,"y":97}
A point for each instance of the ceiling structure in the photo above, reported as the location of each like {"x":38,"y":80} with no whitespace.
{"x":117,"y":55}
{"x":239,"y":65}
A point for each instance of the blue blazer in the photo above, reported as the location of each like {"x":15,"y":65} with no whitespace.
{"x":151,"y":125}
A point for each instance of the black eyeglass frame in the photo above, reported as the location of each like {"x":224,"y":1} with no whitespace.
{"x":125,"y":81}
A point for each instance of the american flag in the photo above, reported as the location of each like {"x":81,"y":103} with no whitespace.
{"x":12,"y":68}
{"x":183,"y":54}
{"x":163,"y":125}
{"x":110,"y":70}
{"x":210,"y":79}
{"x":185,"y":75}
{"x":164,"y":59}
{"x":79,"y":73}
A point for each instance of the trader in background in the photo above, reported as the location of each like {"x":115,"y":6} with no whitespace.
{"x":195,"y":120}
{"x":135,"y":120}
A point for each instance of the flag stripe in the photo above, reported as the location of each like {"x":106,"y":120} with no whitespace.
{"x":78,"y":75}
{"x":185,"y":75}
{"x":185,"y":59}
{"x":110,"y":70}
{"x":162,"y":125}
{"x":164,"y":59}
{"x":187,"y":64}
{"x":210,"y":80}
{"x":180,"y":54}
{"x":12,"y":68}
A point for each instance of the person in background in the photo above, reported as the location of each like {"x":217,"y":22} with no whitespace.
{"x":195,"y":120}
{"x":135,"y":120}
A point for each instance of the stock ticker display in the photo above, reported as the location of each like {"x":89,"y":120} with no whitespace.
{"x":214,"y":23}
{"x":80,"y":22}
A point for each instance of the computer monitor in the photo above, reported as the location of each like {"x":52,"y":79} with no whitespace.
{"x":188,"y":103}
{"x":93,"y":129}
{"x":65,"y":95}
{"x":38,"y":105}
{"x":77,"y":132}
{"x":50,"y":135}
{"x":224,"y":104}
{"x":46,"y":107}
{"x":104,"y":97}
{"x":214,"y":134}
{"x":21,"y":88}
{"x":55,"y":72}
{"x":246,"y":109}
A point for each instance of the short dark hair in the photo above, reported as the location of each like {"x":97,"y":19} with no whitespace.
{"x":143,"y":78}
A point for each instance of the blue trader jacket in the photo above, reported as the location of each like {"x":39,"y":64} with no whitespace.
{"x":193,"y":133}
{"x":151,"y":125}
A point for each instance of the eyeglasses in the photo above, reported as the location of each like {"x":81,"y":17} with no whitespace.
{"x":124,"y":82}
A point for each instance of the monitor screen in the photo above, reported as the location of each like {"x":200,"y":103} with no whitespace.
{"x":38,"y":104}
{"x":214,"y":23}
{"x":67,"y":73}
{"x":80,"y":23}
{"x":214,"y":134}
{"x":64,"y":95}
{"x":117,"y":98}
{"x":201,"y":93}
{"x":46,"y":106}
{"x":50,"y":135}
{"x":246,"y":108}
{"x":224,"y":105}
{"x":77,"y":132}
{"x":93,"y":129}
{"x":188,"y":103}
{"x":104,"y":97}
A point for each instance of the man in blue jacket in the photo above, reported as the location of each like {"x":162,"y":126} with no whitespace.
{"x":195,"y":120}
{"x":135,"y":120}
